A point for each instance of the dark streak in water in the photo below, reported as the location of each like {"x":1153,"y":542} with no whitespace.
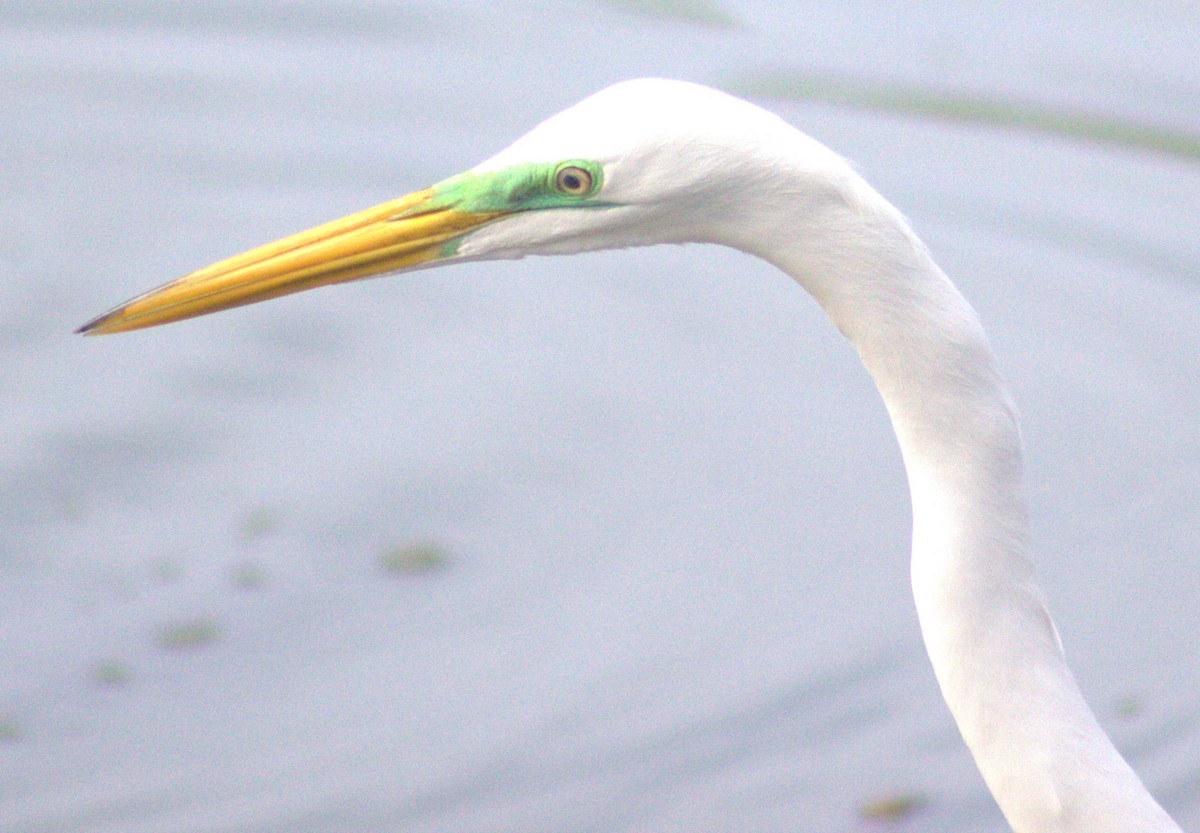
{"x":703,"y":12}
{"x":339,"y":21}
{"x":1077,"y":234}
{"x":974,"y":108}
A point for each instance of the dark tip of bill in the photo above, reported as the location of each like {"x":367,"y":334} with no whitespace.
{"x":91,"y":327}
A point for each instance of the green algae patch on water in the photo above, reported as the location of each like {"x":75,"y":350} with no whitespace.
{"x":893,"y":808}
{"x":1129,"y":707}
{"x":974,"y":107}
{"x":110,"y":673}
{"x":413,"y":559}
{"x":259,"y":523}
{"x":167,"y":570}
{"x":185,"y":634}
{"x":248,"y":575}
{"x":10,"y":732}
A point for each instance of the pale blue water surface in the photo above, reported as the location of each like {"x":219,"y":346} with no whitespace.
{"x":675,"y":596}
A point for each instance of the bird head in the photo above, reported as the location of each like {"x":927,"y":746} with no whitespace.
{"x":641,"y":162}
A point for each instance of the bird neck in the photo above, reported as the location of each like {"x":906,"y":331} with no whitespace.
{"x":993,"y":646}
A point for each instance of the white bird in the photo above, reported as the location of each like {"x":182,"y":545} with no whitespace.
{"x":655,"y":161}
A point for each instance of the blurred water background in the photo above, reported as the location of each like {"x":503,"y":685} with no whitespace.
{"x":609,"y":543}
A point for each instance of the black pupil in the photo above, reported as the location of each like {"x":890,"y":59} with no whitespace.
{"x":571,"y":181}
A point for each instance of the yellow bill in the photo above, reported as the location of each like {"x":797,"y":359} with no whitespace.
{"x":396,"y":235}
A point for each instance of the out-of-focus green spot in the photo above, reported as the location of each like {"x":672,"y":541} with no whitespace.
{"x":1130,"y":706}
{"x":976,"y":108}
{"x":188,"y":633}
{"x":167,"y":570}
{"x":258,"y":523}
{"x":703,"y":12}
{"x":249,"y":575}
{"x":423,"y":557}
{"x":112,"y":672}
{"x":10,"y":732}
{"x":896,"y":807}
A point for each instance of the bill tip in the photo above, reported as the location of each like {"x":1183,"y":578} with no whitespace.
{"x":95,"y":327}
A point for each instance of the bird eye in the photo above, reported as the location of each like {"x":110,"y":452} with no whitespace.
{"x":573,"y":181}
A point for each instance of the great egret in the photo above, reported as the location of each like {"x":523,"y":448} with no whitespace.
{"x":655,"y":161}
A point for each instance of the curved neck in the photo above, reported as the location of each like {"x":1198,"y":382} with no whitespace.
{"x":993,"y":646}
